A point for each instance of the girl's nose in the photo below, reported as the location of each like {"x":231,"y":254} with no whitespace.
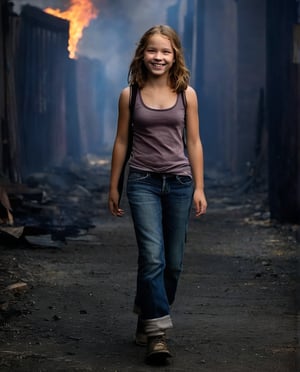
{"x":158,"y":55}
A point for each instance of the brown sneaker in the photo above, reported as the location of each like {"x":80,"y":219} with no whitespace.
{"x":157,"y":350}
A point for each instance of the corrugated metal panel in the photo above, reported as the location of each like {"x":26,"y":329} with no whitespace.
{"x":41,"y":76}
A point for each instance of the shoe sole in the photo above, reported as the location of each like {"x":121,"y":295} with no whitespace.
{"x":158,"y":357}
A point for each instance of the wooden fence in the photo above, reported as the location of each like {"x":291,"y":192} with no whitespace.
{"x":41,"y":76}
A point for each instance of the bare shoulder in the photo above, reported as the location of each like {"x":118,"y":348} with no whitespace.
{"x":191,"y":96}
{"x":125,"y":92}
{"x":190,"y":92}
{"x":124,"y":97}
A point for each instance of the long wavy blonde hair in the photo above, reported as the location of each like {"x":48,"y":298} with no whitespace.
{"x":179,"y":73}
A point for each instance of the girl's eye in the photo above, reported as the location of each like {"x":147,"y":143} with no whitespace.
{"x":166,"y":52}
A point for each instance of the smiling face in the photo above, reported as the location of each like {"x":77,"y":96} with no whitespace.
{"x":158,"y":55}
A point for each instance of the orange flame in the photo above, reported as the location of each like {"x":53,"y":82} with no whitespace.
{"x":80,"y":13}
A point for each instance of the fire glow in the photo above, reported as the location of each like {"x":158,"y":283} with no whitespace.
{"x":79,"y":14}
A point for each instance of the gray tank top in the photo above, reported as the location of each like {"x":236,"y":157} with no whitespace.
{"x":157,"y":139}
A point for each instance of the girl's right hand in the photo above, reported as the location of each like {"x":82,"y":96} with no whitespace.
{"x":113,"y":204}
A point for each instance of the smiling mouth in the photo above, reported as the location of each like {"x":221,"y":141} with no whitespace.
{"x":158,"y":64}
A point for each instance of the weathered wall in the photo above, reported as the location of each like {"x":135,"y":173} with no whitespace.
{"x":2,"y":77}
{"x":9,"y":138}
{"x":233,"y":76}
{"x":283,"y":111}
{"x":218,"y":106}
{"x":91,"y":101}
{"x":251,"y":77}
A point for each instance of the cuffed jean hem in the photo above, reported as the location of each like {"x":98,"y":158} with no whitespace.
{"x":158,"y":326}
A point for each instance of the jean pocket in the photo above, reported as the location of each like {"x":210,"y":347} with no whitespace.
{"x":137,"y":176}
{"x":184,"y":180}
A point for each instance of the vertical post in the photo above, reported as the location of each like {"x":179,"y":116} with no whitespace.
{"x":72,"y":125}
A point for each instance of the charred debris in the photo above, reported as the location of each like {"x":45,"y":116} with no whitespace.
{"x":53,"y":205}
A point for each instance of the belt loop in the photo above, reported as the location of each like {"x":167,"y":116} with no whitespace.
{"x":163,"y":183}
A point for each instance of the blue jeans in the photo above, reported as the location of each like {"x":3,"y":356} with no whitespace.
{"x":160,"y":207}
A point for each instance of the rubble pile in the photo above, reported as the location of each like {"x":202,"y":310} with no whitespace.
{"x":51,"y":205}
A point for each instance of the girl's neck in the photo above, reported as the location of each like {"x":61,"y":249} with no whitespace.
{"x":158,"y":94}
{"x":161,"y":82}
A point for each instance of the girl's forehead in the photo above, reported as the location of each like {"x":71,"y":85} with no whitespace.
{"x":159,"y":39}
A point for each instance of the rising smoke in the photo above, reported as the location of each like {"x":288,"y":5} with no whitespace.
{"x":112,"y":37}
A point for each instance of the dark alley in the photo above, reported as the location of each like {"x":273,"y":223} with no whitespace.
{"x":67,"y":266}
{"x":235,"y":310}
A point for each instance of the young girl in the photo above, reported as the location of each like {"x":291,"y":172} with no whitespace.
{"x":165,"y":178}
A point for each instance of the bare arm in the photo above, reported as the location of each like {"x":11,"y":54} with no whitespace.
{"x":119,"y":152}
{"x":195,"y":151}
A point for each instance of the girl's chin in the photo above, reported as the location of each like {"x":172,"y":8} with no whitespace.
{"x":157,"y":70}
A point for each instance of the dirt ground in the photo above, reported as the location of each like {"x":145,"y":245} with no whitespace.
{"x":236,"y":307}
